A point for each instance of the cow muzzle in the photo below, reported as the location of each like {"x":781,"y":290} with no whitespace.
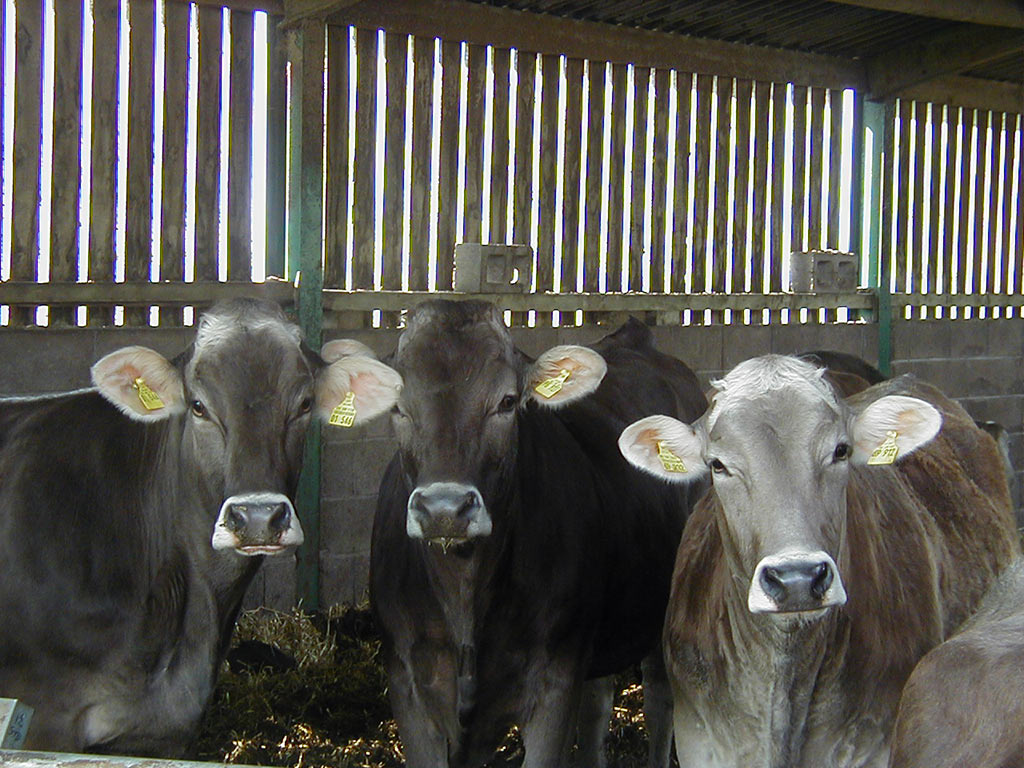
{"x":257,"y":524}
{"x":795,"y":582}
{"x":447,"y":514}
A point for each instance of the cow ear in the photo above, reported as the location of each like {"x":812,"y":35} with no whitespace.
{"x":141,"y":383}
{"x":665,"y":447}
{"x":354,"y":389}
{"x":564,"y":374}
{"x":891,"y":427}
{"x":339,"y":348}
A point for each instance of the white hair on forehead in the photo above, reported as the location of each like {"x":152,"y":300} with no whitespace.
{"x":760,"y":375}
{"x":215,"y":329}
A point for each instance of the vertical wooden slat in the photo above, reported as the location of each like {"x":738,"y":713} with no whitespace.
{"x":277,"y":145}
{"x":103,"y":159}
{"x":239,"y":208}
{"x":681,"y":184}
{"x":549,"y":119}
{"x":799,"y":205}
{"x":778,"y":123}
{"x":993,"y":172}
{"x":208,"y":144}
{"x":934,"y":253}
{"x":963,"y":254}
{"x":336,"y":266}
{"x":814,"y":212}
{"x":422,"y":116}
{"x":27,"y":149}
{"x":175,"y":135}
{"x":762,"y":93}
{"x":835,"y":167}
{"x":1018,"y":255}
{"x":636,"y":251}
{"x":902,"y":201}
{"x":702,"y":181}
{"x":616,"y":181}
{"x":365,"y":159}
{"x":740,"y":262}
{"x":723,"y":160}
{"x":139,"y":213}
{"x":659,"y":181}
{"x":451,"y":78}
{"x":498,"y":218}
{"x":888,"y":203}
{"x":477,"y":87}
{"x":523,"y":192}
{"x":67,"y":130}
{"x":571,"y":179}
{"x":595,"y":190}
{"x":1008,"y":270}
{"x":949,"y":245}
{"x":396,"y":47}
{"x":981,"y":164}
{"x":915,"y":237}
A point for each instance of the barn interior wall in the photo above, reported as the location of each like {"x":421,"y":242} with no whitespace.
{"x":979,"y":362}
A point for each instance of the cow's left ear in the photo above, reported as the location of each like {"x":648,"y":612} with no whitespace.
{"x":891,"y":427}
{"x":665,"y":447}
{"x":141,"y":383}
{"x":339,"y":348}
{"x":354,"y":389}
{"x":564,"y":374}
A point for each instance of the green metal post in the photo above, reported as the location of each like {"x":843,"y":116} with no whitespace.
{"x":305,"y":246}
{"x":878,"y":267}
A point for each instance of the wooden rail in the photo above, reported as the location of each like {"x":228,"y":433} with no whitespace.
{"x":19,"y":759}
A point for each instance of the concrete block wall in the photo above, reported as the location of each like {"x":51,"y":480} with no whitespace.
{"x":980,"y":362}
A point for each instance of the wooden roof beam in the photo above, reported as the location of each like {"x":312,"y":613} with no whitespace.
{"x":996,"y":13}
{"x":947,"y":53}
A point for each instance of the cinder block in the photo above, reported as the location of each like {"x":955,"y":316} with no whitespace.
{"x":346,"y":525}
{"x":700,"y":347}
{"x":1005,"y":337}
{"x":1007,"y":410}
{"x":968,"y":338}
{"x":917,"y":339}
{"x":823,"y":271}
{"x":484,"y":268}
{"x":355,"y":469}
{"x":793,"y":339}
{"x":344,"y":579}
{"x":274,"y":584}
{"x":742,"y":342}
{"x":39,"y":361}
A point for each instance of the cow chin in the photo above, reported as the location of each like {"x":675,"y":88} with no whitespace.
{"x":255,"y":524}
{"x":796,"y":583}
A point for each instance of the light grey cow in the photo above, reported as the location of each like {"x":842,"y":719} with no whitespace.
{"x":840,"y":541}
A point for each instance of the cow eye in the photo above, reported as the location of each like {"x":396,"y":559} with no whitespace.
{"x":508,"y":403}
{"x":718,"y":467}
{"x":842,"y":452}
{"x":198,"y":409}
{"x":306,"y":405}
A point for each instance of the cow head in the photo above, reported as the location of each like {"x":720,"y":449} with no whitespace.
{"x":466,"y":387}
{"x":779,"y":445}
{"x":241,"y":399}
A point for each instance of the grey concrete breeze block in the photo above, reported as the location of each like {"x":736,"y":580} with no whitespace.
{"x":481,"y":268}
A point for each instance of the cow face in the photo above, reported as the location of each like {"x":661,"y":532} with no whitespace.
{"x":779,"y":445}
{"x":241,"y":400}
{"x":466,"y":387}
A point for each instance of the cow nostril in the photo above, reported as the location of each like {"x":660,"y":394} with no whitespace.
{"x":469,"y":504}
{"x":772,"y":583}
{"x":821,"y":581}
{"x":280,"y":519}
{"x":236,"y":518}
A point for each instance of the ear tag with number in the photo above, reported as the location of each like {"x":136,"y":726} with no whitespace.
{"x":887,"y":452}
{"x":344,"y":413}
{"x":150,"y":400}
{"x":551,"y":387}
{"x":669,"y":460}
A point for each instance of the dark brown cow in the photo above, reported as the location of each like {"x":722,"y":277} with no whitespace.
{"x":816,"y":573}
{"x":964,"y":703}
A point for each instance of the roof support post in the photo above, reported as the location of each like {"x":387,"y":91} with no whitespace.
{"x":873,"y":137}
{"x":305,"y":249}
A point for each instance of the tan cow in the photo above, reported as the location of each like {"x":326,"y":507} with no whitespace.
{"x":841,"y":540}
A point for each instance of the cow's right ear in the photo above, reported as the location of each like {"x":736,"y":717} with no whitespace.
{"x":665,"y":447}
{"x":339,"y":348}
{"x":564,"y":374}
{"x":141,"y":383}
{"x":356,"y":388}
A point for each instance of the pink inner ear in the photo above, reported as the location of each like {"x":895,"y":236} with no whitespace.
{"x":362,"y":383}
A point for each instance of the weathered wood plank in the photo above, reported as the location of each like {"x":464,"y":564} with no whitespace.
{"x":595,"y":189}
{"x":992,"y":174}
{"x":27,"y":149}
{"x":1008,"y":269}
{"x":964,"y":255}
{"x":681,"y":232}
{"x":29,"y":293}
{"x":549,"y":120}
{"x":778,"y":123}
{"x":451,"y":80}
{"x":798,"y":240}
{"x":741,"y":264}
{"x":1018,"y":256}
{"x":720,"y":253}
{"x":208,"y":145}
{"x":498,"y":215}
{"x":934,"y":253}
{"x":915,"y":237}
{"x":636,"y":251}
{"x":981,"y":163}
{"x":886,"y":267}
{"x":902,"y":201}
{"x":336,"y":262}
{"x":103,"y":153}
{"x":277,"y":145}
{"x":949,"y":243}
{"x":67,"y":134}
{"x":659,"y":182}
{"x":815,"y":161}
{"x":173,"y":160}
{"x":475,"y":97}
{"x":835,"y":168}
{"x":523,"y":192}
{"x":239,"y":206}
{"x":702,"y":182}
{"x":363,"y":212}
{"x":571,"y":179}
{"x":396,"y":49}
{"x":422,"y":122}
{"x":616,"y":180}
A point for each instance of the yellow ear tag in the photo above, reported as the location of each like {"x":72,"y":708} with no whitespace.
{"x":551,"y":387}
{"x":344,"y":413}
{"x":669,"y":460}
{"x":150,"y":400}
{"x":887,"y":452}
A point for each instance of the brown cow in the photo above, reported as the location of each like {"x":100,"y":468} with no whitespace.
{"x":964,"y":703}
{"x":816,"y":573}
